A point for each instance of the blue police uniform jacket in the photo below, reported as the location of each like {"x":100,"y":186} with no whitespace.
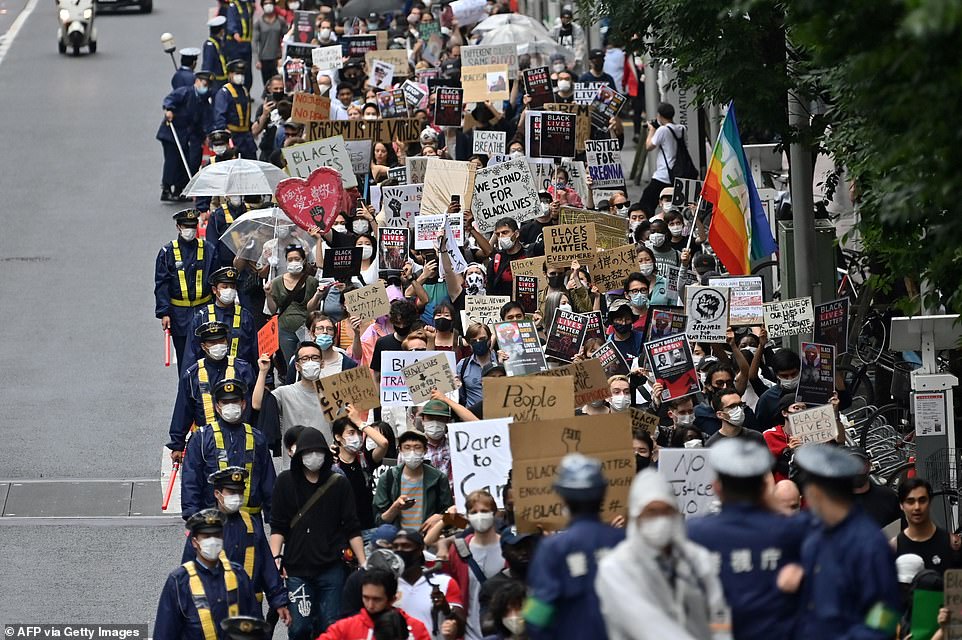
{"x":183,"y":77}
{"x":239,"y":13}
{"x":201,"y":460}
{"x":167,"y":282}
{"x":177,"y":617}
{"x":189,"y":406}
{"x":237,"y":540}
{"x":246,"y":334}
{"x":212,"y":59}
{"x":849,"y":570}
{"x":751,"y":545}
{"x":192,"y":115}
{"x":225,"y":110}
{"x":562,"y":576}
{"x":217,"y":226}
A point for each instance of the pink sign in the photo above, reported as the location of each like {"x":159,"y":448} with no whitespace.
{"x":315,"y":201}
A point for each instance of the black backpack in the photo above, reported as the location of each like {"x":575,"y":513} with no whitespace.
{"x":683,"y":167}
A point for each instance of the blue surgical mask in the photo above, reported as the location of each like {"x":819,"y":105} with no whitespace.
{"x":639,"y":299}
{"x":324,"y":341}
{"x":202,"y":90}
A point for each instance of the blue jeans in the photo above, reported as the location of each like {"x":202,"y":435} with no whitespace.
{"x":287,"y":342}
{"x":315,"y":602}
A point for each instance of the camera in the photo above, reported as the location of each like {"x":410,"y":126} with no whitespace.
{"x":654,"y":123}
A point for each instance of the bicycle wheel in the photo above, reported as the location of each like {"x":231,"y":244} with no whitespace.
{"x":871,"y":339}
{"x":859,"y":384}
{"x":949,"y":499}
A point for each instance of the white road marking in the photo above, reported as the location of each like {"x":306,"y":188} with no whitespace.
{"x":6,"y":40}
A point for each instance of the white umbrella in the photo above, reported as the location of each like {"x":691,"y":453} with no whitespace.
{"x":262,"y":234}
{"x":235,"y":178}
{"x":530,"y":35}
{"x":501,"y":20}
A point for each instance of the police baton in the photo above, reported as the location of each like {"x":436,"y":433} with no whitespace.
{"x":180,"y":150}
{"x":166,"y":347}
{"x":173,"y":475}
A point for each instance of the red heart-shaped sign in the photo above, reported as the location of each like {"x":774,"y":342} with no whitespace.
{"x":312,"y":202}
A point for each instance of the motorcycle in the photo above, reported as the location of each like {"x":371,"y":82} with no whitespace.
{"x":76,"y":29}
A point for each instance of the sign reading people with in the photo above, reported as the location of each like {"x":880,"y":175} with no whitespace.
{"x":504,"y":190}
{"x":707,"y":309}
{"x":745,"y":297}
{"x":691,"y":477}
{"x":480,"y":458}
{"x":789,"y":317}
{"x":529,"y":398}
{"x":304,"y":158}
{"x":394,"y":391}
{"x":589,"y":377}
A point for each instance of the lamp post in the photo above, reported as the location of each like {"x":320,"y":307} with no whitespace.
{"x":167,"y":42}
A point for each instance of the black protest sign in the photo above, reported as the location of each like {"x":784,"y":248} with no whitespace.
{"x":558,"y":134}
{"x":526,"y":293}
{"x":537,"y":86}
{"x":448,"y":105}
{"x":393,"y":245}
{"x":521,"y":342}
{"x":342,"y":263}
{"x":611,"y":360}
{"x":304,"y":26}
{"x":831,"y":324}
{"x":566,"y":335}
{"x":357,"y":46}
{"x":593,"y":326}
{"x":671,"y":364}
{"x":816,"y":383}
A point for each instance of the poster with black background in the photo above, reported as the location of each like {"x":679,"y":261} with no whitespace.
{"x":537,"y":86}
{"x":671,"y":364}
{"x":342,"y":263}
{"x":816,"y":382}
{"x":526,"y":292}
{"x":566,"y":335}
{"x":448,"y":104}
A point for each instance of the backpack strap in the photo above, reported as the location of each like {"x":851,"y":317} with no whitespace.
{"x":465,"y":554}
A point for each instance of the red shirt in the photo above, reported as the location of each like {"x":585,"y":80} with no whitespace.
{"x":777,"y":441}
{"x":361,"y":626}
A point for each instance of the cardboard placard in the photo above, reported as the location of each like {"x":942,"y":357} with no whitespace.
{"x":528,"y":398}
{"x":566,"y":242}
{"x":611,"y":267}
{"x":611,"y":360}
{"x":672,"y":365}
{"x":484,"y":310}
{"x":480,"y":458}
{"x":326,"y":58}
{"x":426,"y":375}
{"x":267,"y":340}
{"x":368,"y":303}
{"x":504,"y":190}
{"x":308,"y":108}
{"x":610,"y":230}
{"x":427,"y":230}
{"x":355,"y":386}
{"x":831,"y":324}
{"x":391,"y":104}
{"x":448,"y":106}
{"x":537,"y":86}
{"x":492,"y":55}
{"x":591,"y":383}
{"x":488,"y":143}
{"x":565,"y":335}
{"x":813,"y":425}
{"x":707,"y":309}
{"x":386,"y":131}
{"x":537,"y":449}
{"x":746,"y":298}
{"x":444,"y":178}
{"x":360,"y":153}
{"x":526,"y":292}
{"x":691,"y":477}
{"x":644,"y":420}
{"x":394,"y":391}
{"x":302,"y":159}
{"x":816,"y":382}
{"x":342,"y":263}
{"x":417,"y":167}
{"x":789,"y":317}
{"x":397,"y":59}
{"x":604,"y":164}
{"x":531,"y":267}
{"x":521,"y":342}
{"x":485,"y":82}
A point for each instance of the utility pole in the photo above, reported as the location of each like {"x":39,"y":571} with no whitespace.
{"x":803,"y":205}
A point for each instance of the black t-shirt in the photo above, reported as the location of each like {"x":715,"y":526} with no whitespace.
{"x":881,"y":503}
{"x":360,"y":480}
{"x":532,"y":236}
{"x":384,"y":343}
{"x":936,"y":552}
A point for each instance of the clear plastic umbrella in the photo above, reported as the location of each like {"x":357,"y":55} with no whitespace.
{"x":530,"y":35}
{"x":235,"y":178}
{"x":501,"y":20}
{"x":262,"y":235}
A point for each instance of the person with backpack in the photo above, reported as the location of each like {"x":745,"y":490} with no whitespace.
{"x":672,"y":158}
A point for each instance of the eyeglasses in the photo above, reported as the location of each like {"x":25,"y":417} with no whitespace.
{"x":309,"y":359}
{"x":328,"y":330}
{"x":634,"y":291}
{"x":734,"y":406}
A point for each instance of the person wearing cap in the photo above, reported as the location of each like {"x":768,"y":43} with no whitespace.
{"x":847,"y":575}
{"x":268,"y":33}
{"x":200,"y":593}
{"x":195,"y":402}
{"x":658,"y":583}
{"x":753,"y":541}
{"x":379,"y":589}
{"x":880,"y":502}
{"x":412,"y":494}
{"x":937,"y":547}
{"x":245,"y":628}
{"x":562,"y":602}
{"x":313,"y":520}
{"x":184,"y":76}
{"x":435,"y":600}
{"x":245,"y":542}
{"x":225,"y":308}
{"x":379,"y":556}
{"x":782,"y":445}
{"x":517,"y":548}
{"x":435,"y":416}
{"x":215,"y":55}
{"x":240,"y":27}
{"x":180,"y":271}
{"x":227,"y":441}
{"x":571,"y":36}
{"x":188,"y":115}
{"x":596,"y":70}
{"x":628,"y":340}
{"x":232,"y":108}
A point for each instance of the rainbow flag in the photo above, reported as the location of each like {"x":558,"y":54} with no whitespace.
{"x":739,"y":231}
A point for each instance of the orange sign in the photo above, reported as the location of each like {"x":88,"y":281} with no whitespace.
{"x":267,"y":338}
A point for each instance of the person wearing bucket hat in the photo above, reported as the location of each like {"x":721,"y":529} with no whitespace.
{"x":435,"y":416}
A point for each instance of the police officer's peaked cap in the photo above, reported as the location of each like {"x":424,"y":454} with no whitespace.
{"x":204,"y":75}
{"x":187,"y":217}
{"x":227,"y":275}
{"x":189,"y":52}
{"x":237,"y":65}
{"x":827,"y":461}
{"x":221,"y":136}
{"x":212,"y":331}
{"x":740,"y":458}
{"x":217,"y":22}
{"x":244,"y":628}
{"x":206,"y":521}
{"x":230,"y":389}
{"x":230,"y":478}
{"x":580,"y":478}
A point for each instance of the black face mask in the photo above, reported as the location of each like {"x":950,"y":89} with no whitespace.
{"x":402,"y":331}
{"x":443,"y":324}
{"x":556,"y":281}
{"x":621,"y":327}
{"x":641,"y":462}
{"x":410,"y":558}
{"x":277,"y":96}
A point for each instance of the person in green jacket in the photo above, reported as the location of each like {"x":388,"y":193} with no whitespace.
{"x":412,"y":495}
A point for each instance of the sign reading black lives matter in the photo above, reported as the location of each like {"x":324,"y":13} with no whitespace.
{"x":504,"y":190}
{"x":707,"y":309}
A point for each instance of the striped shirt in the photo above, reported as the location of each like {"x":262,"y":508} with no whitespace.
{"x":413,"y":518}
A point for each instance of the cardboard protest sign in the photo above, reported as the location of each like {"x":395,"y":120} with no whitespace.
{"x":816,"y":383}
{"x":504,"y":190}
{"x":267,"y":340}
{"x":358,"y":45}
{"x":691,"y":477}
{"x":521,"y":342}
{"x":643,"y":420}
{"x":537,"y":86}
{"x":488,"y":143}
{"x":745,"y":298}
{"x":342,"y":263}
{"x":566,"y":242}
{"x":368,"y":303}
{"x":485,"y":82}
{"x":585,"y":92}
{"x":606,"y":105}
{"x":526,"y":292}
{"x":446,"y":178}
{"x":480,"y":458}
{"x":391,"y":104}
{"x":393,"y":246}
{"x":530,"y":267}
{"x":304,"y":22}
{"x":529,"y":398}
{"x":396,"y":59}
{"x":417,"y":167}
{"x":591,"y":383}
{"x":492,"y":54}
{"x":582,"y":113}
{"x":831,"y":324}
{"x":426,"y":375}
{"x":813,"y":426}
{"x":448,"y":106}
{"x":537,"y":449}
{"x":403,"y":129}
{"x":360,"y":153}
{"x":611,"y":360}
{"x":303,"y":159}
{"x":427,"y":230}
{"x":325,"y":58}
{"x":707,"y":309}
{"x":685,"y":192}
{"x":308,"y":107}
{"x":416,"y":95}
{"x":789,"y":317}
{"x":610,"y":230}
{"x":355,"y":386}
{"x":565,"y":335}
{"x":672,"y":366}
{"x":664,"y":321}
{"x":604,"y":164}
{"x":611,"y":267}
{"x":953,"y":602}
{"x":394,"y":390}
{"x":484,"y":310}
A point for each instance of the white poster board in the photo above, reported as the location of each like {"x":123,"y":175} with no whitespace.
{"x":690,"y":476}
{"x":480,"y":458}
{"x":303,"y":158}
{"x":394,"y":393}
{"x":504,"y":190}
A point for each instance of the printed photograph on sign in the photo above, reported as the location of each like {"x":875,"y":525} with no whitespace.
{"x":393,"y":246}
{"x":707,"y":310}
{"x":672,"y":366}
{"x":521,"y":342}
{"x":816,"y":382}
{"x":382,"y":74}
{"x":745,"y":297}
{"x":565,"y":335}
{"x":664,"y":321}
{"x":427,"y":230}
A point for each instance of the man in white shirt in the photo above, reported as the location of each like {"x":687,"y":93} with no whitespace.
{"x":664,"y":140}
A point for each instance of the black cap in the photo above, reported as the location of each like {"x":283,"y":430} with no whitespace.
{"x":412,"y":434}
{"x":206,"y":521}
{"x":212,"y":331}
{"x":187,"y":217}
{"x":221,"y":136}
{"x":224,"y":274}
{"x":237,"y":65}
{"x":230,"y":389}
{"x":229,"y":478}
{"x":245,"y":628}
{"x":373,"y":16}
{"x":492,"y":367}
{"x":411,"y":534}
{"x":567,"y":12}
{"x":204,"y":75}
{"x":596,"y":53}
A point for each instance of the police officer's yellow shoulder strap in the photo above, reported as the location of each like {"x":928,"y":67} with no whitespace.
{"x":199,"y":596}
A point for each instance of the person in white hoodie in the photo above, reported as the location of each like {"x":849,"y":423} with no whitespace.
{"x":658,"y":584}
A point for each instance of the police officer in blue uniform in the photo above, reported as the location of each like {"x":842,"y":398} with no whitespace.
{"x":750,"y":542}
{"x":184,"y":76}
{"x":849,"y":587}
{"x":227,"y":441}
{"x":188,"y":111}
{"x":202,"y":592}
{"x":180,"y":272}
{"x":562,"y":602}
{"x":220,"y":146}
{"x":222,"y":216}
{"x":244,"y":540}
{"x":225,"y":308}
{"x":232,"y":111}
{"x":240,"y":30}
{"x":195,"y":402}
{"x":215,"y":53}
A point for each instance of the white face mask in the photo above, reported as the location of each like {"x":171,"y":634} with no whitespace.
{"x":227,"y":296}
{"x":313,"y":460}
{"x":233,"y":502}
{"x":293,"y":5}
{"x":622,"y":210}
{"x":268,"y":9}
{"x":188,"y":234}
{"x":565,"y":307}
{"x":235,"y":201}
{"x":217,"y":351}
{"x":231,"y":412}
{"x":676,"y":230}
{"x":516,"y":154}
{"x":218,"y":149}
{"x":412,"y":460}
{"x":736,"y":416}
{"x":657,"y":239}
{"x":359,"y":226}
{"x":658,"y":532}
{"x":295,"y":266}
{"x":564,"y":85}
{"x":324,"y":33}
{"x":210,"y":548}
{"x":353,"y":443}
{"x":545,"y":208}
{"x":789,"y":384}
{"x":481,"y":522}
{"x":646,"y":269}
{"x":633,"y":224}
{"x":323,"y":88}
{"x":505,"y":242}
{"x":311,"y":370}
{"x":619,"y":403}
{"x":237,"y":78}
{"x":434,"y":429}
{"x":694,"y":443}
{"x":514,"y":624}
{"x":685,"y":419}
{"x":370,"y":116}
{"x":366,"y":251}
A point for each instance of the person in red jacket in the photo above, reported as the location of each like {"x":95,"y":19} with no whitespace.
{"x":378,"y":591}
{"x":782,"y":445}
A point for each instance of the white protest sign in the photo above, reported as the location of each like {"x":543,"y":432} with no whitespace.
{"x":707,"y":309}
{"x":360,"y":152}
{"x":604,"y":164}
{"x":690,"y":476}
{"x":504,"y":190}
{"x":469,"y":12}
{"x":813,"y":425}
{"x":427,"y":230}
{"x":480,"y":458}
{"x":458,"y":263}
{"x":789,"y":317}
{"x":325,"y":58}
{"x":482,"y":310}
{"x":394,"y":393}
{"x":745,"y":297}
{"x":399,"y":204}
{"x":416,"y":167}
{"x":302,"y":159}
{"x":485,"y":54}
{"x":426,"y":375}
{"x":585,"y":92}
{"x":488,"y":143}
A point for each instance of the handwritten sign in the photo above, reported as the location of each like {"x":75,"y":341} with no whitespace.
{"x":613,"y":266}
{"x":488,"y":143}
{"x":480,"y":458}
{"x":691,"y":477}
{"x":325,"y":58}
{"x":813,"y":425}
{"x":424,"y":376}
{"x":394,"y":390}
{"x":267,"y":341}
{"x":529,"y":398}
{"x":566,"y":242}
{"x":443,"y":179}
{"x":707,"y":309}
{"x":397,"y":59}
{"x":483,"y":310}
{"x":504,"y":190}
{"x":386,"y":131}
{"x":304,"y":158}
{"x":745,"y":298}
{"x":355,"y":386}
{"x":589,"y":378}
{"x":789,"y":317}
{"x":308,"y":107}
{"x":953,"y":602}
{"x":604,"y":164}
{"x":644,"y":421}
{"x":492,"y":54}
{"x":369,"y":302}
{"x":485,"y":82}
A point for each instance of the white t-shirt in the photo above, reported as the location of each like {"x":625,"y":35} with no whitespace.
{"x":491,"y":561}
{"x":663,"y":140}
{"x":415,"y":598}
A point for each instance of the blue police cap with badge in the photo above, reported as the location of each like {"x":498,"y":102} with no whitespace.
{"x":213,"y":330}
{"x":245,"y":628}
{"x":206,"y":521}
{"x":237,"y":66}
{"x":229,"y":478}
{"x":740,"y":458}
{"x":226,"y":275}
{"x":187,"y":217}
{"x":230,"y":389}
{"x":580,"y":478}
{"x":827,"y":462}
